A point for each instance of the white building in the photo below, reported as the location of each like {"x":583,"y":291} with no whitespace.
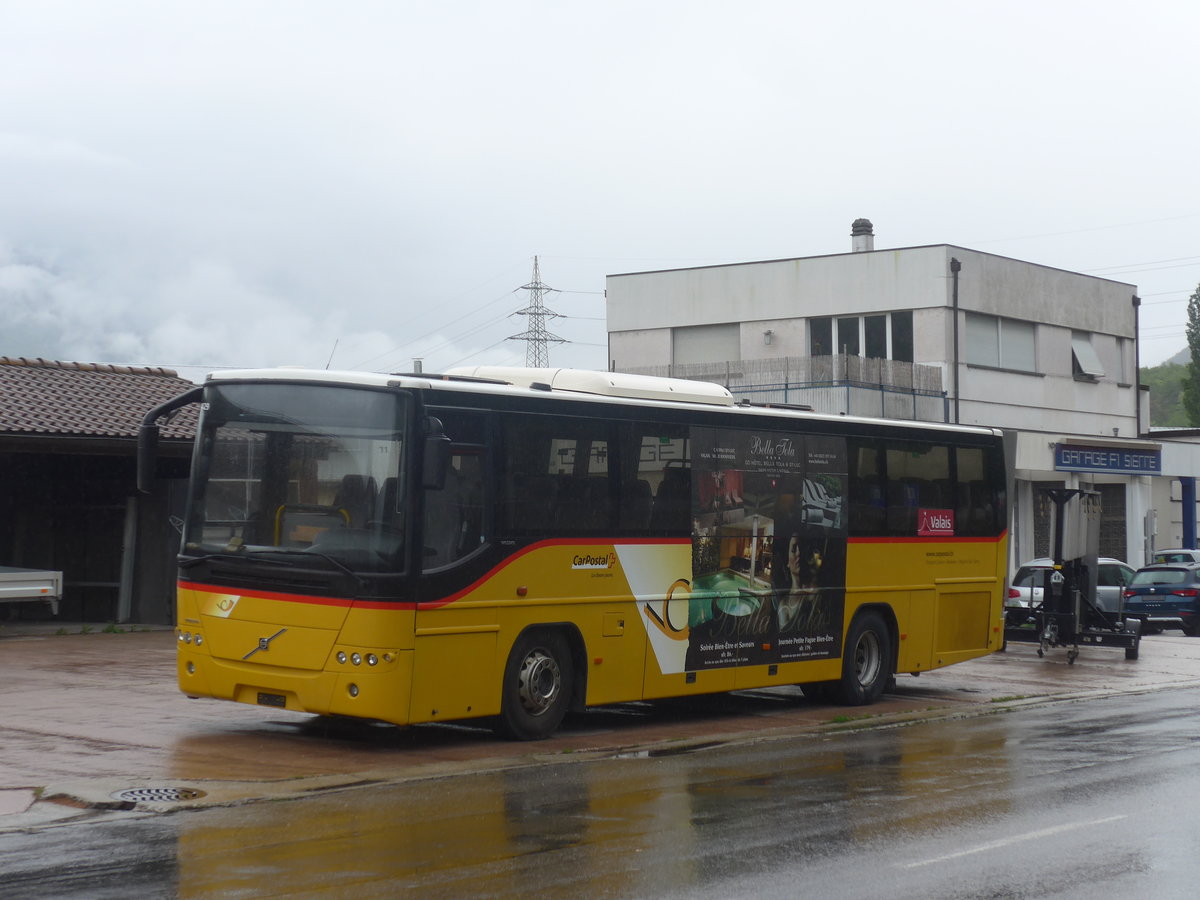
{"x":1049,"y":354}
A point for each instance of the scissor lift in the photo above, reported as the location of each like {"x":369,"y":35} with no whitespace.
{"x":1068,"y":614}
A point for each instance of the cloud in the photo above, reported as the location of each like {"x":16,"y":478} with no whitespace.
{"x":248,"y":183}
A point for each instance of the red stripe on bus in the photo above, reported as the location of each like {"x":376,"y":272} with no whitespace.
{"x":553,"y":542}
{"x":430,"y":604}
{"x":931,"y":539}
{"x":266,"y":595}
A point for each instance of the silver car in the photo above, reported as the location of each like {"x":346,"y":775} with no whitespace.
{"x":1176,"y":555}
{"x":1112,"y":576}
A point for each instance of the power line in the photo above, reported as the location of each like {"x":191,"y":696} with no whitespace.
{"x":1144,"y":268}
{"x":1030,"y":237}
{"x":1149,"y":262}
{"x":477,"y":352}
{"x":459,"y":318}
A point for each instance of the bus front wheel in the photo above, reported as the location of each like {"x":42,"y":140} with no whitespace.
{"x":537,"y":686}
{"x":866,"y":662}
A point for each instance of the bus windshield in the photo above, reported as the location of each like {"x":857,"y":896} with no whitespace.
{"x":307,"y":475}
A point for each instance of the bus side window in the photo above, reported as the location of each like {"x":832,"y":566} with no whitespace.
{"x":673,"y":502}
{"x":455,"y":515}
{"x":974,"y":512}
{"x":867,"y":491}
{"x":556,"y":475}
{"x":656,"y":492}
{"x":918,"y":478}
{"x":637,"y":502}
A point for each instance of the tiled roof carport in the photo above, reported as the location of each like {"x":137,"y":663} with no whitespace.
{"x":41,"y":397}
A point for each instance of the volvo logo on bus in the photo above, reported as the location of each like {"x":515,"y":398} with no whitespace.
{"x":264,"y":643}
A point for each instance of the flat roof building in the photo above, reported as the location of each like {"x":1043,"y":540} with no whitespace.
{"x":937,"y":332}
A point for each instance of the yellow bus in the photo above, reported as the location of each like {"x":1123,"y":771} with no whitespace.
{"x":518,"y":543}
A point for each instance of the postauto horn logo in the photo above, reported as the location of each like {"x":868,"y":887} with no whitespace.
{"x":594,"y":560}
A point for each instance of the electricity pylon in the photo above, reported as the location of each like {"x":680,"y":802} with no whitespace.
{"x":537,"y":353}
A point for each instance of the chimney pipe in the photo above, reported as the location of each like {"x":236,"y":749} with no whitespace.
{"x":862,"y":236}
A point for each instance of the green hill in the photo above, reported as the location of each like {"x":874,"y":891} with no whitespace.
{"x":1166,"y":384}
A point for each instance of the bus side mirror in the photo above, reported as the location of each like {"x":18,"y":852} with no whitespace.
{"x":437,"y":456}
{"x":147,"y":443}
{"x":147,"y":457}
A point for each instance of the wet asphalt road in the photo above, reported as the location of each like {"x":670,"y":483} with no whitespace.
{"x":1077,"y":799}
{"x":82,"y":716}
{"x":1001,"y":766}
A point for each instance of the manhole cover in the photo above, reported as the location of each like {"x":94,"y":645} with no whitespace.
{"x":158,"y":795}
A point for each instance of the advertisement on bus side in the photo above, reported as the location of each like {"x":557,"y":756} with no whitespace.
{"x":768,"y":548}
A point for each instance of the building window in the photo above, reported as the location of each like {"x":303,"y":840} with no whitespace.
{"x":1085,"y":364}
{"x":878,"y":336}
{"x":902,"y":336}
{"x":847,"y":329}
{"x":875,"y":335}
{"x":1000,"y":343}
{"x":820,"y":337}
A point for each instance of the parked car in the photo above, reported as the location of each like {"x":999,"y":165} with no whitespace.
{"x":1112,"y":576}
{"x":1165,"y":595}
{"x":1176,"y":555}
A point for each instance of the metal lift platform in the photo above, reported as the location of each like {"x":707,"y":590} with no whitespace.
{"x":1068,"y":614}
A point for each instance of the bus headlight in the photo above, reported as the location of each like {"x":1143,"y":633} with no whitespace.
{"x":341,"y":657}
{"x":372,"y":659}
{"x":353,"y":690}
{"x":356,"y":659}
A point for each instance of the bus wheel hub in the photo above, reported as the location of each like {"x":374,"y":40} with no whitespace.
{"x":540,"y":682}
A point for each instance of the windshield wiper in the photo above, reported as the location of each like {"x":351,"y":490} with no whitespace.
{"x":205,"y":557}
{"x":332,"y":560}
{"x":259,"y":556}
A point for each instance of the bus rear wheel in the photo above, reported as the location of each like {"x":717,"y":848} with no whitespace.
{"x":866,"y":662}
{"x":537,"y":686}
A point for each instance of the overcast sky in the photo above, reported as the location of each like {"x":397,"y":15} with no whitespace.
{"x":356,"y":184}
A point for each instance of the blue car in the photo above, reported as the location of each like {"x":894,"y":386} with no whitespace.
{"x":1165,"y":595}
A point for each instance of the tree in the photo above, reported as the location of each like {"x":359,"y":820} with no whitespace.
{"x":1165,"y":382}
{"x":1191,"y":381}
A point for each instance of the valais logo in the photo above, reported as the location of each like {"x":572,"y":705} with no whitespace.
{"x":934,"y":522}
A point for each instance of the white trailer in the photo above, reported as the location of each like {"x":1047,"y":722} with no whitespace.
{"x":23,"y":585}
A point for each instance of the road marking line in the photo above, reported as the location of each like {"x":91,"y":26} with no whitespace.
{"x":1006,"y":842}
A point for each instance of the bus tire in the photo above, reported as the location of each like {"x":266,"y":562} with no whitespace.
{"x":537,"y":686}
{"x":866,"y":662}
